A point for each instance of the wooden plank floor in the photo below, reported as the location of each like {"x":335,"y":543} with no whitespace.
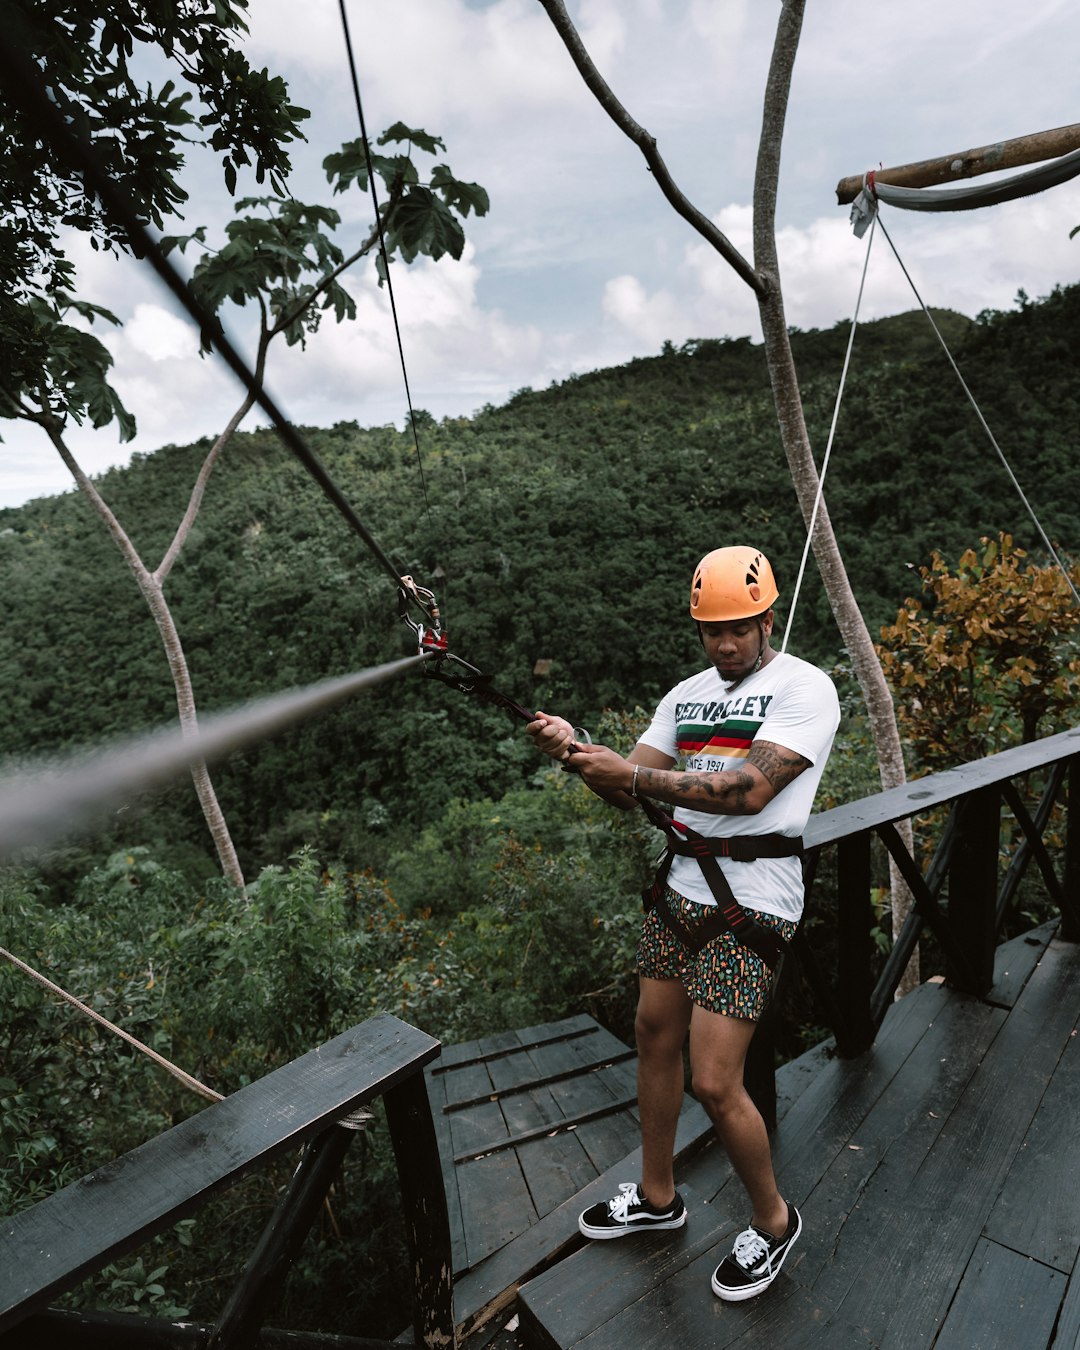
{"x":526,"y":1119}
{"x":939,"y":1179}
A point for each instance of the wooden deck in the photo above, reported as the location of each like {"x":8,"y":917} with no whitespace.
{"x":939,"y":1179}
{"x":526,"y":1119}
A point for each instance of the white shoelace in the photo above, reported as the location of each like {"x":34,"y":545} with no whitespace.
{"x":750,"y":1247}
{"x":620,"y":1206}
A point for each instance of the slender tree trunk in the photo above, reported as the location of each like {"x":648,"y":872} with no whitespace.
{"x":212,"y":456}
{"x":198,"y":491}
{"x":185,"y":698}
{"x":796,"y":442}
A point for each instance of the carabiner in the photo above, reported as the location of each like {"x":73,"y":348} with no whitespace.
{"x":429,"y":635}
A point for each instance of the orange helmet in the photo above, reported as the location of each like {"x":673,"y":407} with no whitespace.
{"x":732,"y":583}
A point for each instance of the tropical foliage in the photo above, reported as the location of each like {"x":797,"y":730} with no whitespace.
{"x":411,"y":855}
{"x":987,"y":657}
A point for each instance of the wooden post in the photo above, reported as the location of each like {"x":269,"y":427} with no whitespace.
{"x":423,"y":1201}
{"x":264,"y":1275}
{"x":1070,"y":910}
{"x":854,"y":943}
{"x":970,"y":163}
{"x":973,"y":881}
{"x":759,"y":1068}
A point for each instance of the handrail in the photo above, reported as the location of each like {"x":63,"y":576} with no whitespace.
{"x":965,"y":862}
{"x":47,"y":1249}
{"x":939,"y":788}
{"x":964,"y":865}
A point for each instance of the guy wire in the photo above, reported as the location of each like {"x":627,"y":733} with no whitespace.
{"x":382,"y":241}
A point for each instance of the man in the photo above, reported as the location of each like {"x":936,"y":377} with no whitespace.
{"x":754,"y":731}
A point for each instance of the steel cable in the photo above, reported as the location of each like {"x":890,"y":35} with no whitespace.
{"x":35,"y":808}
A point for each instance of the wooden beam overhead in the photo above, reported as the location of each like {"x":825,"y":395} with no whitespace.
{"x":1010,"y":154}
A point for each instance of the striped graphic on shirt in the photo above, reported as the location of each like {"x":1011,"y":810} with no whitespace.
{"x":728,"y":740}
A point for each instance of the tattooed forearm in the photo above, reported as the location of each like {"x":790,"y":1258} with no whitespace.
{"x":776,"y":764}
{"x":732,"y":789}
{"x":729,"y":793}
{"x":732,"y":792}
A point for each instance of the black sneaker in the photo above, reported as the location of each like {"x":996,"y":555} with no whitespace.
{"x":629,"y":1213}
{"x":755,"y":1261}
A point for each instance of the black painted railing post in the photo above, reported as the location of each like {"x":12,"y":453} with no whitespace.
{"x":973,"y":883}
{"x":423,"y":1201}
{"x":264,"y":1275}
{"x":1070,"y":910}
{"x":759,"y":1069}
{"x":855,"y":916}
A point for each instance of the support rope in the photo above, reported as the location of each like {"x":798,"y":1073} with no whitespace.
{"x":828,"y":448}
{"x":185,"y":1078}
{"x":974,"y":195}
{"x":982,"y":420}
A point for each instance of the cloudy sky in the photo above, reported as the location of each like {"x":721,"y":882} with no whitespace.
{"x":581,"y":263}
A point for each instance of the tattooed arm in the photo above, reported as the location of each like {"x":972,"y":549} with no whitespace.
{"x":744,"y":791}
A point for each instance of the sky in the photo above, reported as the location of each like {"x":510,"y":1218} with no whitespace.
{"x":581,"y":263}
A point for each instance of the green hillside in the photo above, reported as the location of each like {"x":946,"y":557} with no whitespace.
{"x":566,"y":524}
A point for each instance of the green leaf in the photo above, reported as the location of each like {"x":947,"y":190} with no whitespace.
{"x":422,"y":223}
{"x":348,"y":166}
{"x":420,"y":138}
{"x":461,"y":197}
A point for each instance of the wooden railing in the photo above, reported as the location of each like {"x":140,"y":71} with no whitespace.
{"x":965,"y":862}
{"x":48,"y":1249}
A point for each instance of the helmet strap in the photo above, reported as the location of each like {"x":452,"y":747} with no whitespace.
{"x":731,"y":685}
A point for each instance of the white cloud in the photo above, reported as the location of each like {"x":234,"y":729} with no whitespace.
{"x":651,"y":319}
{"x":154,"y":332}
{"x":447,"y":337}
{"x":976,"y":261}
{"x":581,"y":262}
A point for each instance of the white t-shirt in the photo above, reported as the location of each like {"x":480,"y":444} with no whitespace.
{"x":788,"y":702}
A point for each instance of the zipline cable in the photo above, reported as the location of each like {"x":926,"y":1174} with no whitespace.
{"x":382,"y":241}
{"x":828,"y":448}
{"x":21,"y":79}
{"x":982,"y":420}
{"x":35,"y":809}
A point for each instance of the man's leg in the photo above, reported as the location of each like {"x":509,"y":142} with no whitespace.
{"x":663,"y":1016}
{"x":718,"y":1047}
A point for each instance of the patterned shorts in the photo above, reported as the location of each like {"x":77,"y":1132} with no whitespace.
{"x":724,"y":977}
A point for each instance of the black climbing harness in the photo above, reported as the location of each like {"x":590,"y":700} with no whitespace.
{"x":728,"y":914}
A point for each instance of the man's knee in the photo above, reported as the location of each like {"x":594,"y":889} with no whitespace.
{"x":719,"y":1093}
{"x":662,"y":1021}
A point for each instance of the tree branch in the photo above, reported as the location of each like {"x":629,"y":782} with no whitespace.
{"x":266,"y":337}
{"x":646,"y":143}
{"x":326,"y":282}
{"x":214,"y":453}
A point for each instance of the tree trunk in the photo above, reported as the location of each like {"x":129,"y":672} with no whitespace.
{"x":796,"y":442}
{"x":174,"y":653}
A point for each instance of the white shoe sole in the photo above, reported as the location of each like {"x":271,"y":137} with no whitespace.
{"x":602,"y":1234}
{"x":741,"y":1293}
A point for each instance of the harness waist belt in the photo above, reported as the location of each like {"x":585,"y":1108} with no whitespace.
{"x":740,"y":847}
{"x":728,"y":914}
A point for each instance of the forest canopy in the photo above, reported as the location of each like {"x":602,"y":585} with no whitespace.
{"x":560,"y":531}
{"x":409,"y":852}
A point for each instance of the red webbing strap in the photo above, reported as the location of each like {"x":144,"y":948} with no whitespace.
{"x":728,"y":914}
